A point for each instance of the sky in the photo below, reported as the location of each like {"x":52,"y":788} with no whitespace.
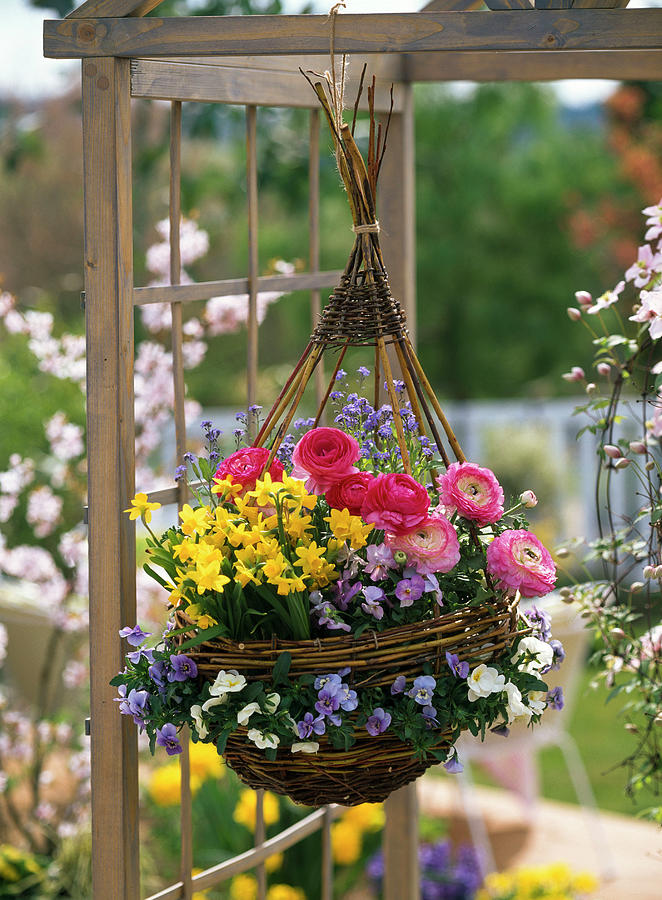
{"x":25,"y":73}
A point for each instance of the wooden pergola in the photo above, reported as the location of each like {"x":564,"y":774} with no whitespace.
{"x":253,"y":61}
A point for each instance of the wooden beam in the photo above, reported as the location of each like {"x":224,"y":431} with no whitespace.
{"x":166,"y":80}
{"x":550,"y":30}
{"x":645,"y":65}
{"x":110,"y":455}
{"x":459,"y":5}
{"x":104,"y":9}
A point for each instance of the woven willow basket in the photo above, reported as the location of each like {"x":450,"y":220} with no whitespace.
{"x":373,"y":766}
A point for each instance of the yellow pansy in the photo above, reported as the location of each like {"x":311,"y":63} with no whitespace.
{"x":285,"y":892}
{"x":205,"y":761}
{"x":244,"y":812}
{"x":367,"y":816}
{"x":164,"y":784}
{"x":195,"y":521}
{"x":142,"y":508}
{"x":346,"y":843}
{"x":243,"y":887}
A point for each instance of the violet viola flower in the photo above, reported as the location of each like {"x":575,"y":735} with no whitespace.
{"x":373,"y":595}
{"x":328,"y":703}
{"x":345,"y":592}
{"x":423,"y":689}
{"x":378,"y":722}
{"x":430,"y":715}
{"x":398,"y":685}
{"x":432,"y":587}
{"x":409,"y":589}
{"x":135,"y":704}
{"x":380,"y":560}
{"x":453,"y":765}
{"x":323,"y":680}
{"x":157,"y":672}
{"x":136,"y":656}
{"x":182,"y":669}
{"x":167,"y":737}
{"x":502,"y":730}
{"x":541,"y":621}
{"x":348,"y":698}
{"x":459,"y":669}
{"x":135,"y":636}
{"x":555,"y":698}
{"x":559,"y":653}
{"x":328,"y":615}
{"x":310,"y":724}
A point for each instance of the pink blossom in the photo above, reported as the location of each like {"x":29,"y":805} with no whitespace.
{"x":7,"y":302}
{"x":650,"y":311}
{"x":433,"y":545}
{"x":193,"y":352}
{"x":529,"y":499}
{"x":156,"y":317}
{"x":603,"y":368}
{"x":15,"y":322}
{"x":575,"y":374}
{"x":518,"y":561}
{"x":606,"y":300}
{"x":43,"y":513}
{"x":654,"y":219}
{"x":75,"y":674}
{"x":65,"y":438}
{"x":646,"y":266}
{"x":3,"y":643}
{"x":574,"y":314}
{"x":473,"y":491}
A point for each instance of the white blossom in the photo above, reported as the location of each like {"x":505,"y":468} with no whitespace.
{"x":483,"y":681}
{"x":244,"y":714}
{"x":263,"y":740}
{"x":540,"y":653}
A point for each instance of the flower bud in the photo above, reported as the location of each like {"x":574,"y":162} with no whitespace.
{"x":400,"y":557}
{"x":622,"y":463}
{"x":603,"y":368}
{"x":583,"y":298}
{"x":636,"y":586}
{"x":569,"y":598}
{"x":637,"y":446}
{"x":649,"y":572}
{"x":617,"y":633}
{"x":631,"y":727}
{"x":562,"y":553}
{"x":565,"y":592}
{"x":612,"y":450}
{"x":529,"y":499}
{"x":575,"y":374}
{"x":591,"y":388}
{"x":658,"y":719}
{"x":658,"y":572}
{"x":650,"y":465}
{"x":574,"y":314}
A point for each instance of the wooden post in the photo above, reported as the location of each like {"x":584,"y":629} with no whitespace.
{"x":110,"y":454}
{"x":396,"y":214}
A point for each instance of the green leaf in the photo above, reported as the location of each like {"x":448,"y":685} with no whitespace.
{"x":205,"y":634}
{"x":270,"y":753}
{"x":150,"y":571}
{"x":222,"y":739}
{"x":282,"y":668}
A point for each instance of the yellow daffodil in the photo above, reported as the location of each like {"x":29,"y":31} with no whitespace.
{"x":265,"y":490}
{"x":244,"y":575}
{"x":346,"y":843}
{"x":243,"y":887}
{"x":194,"y":521}
{"x":366,"y":816}
{"x":298,"y":526}
{"x":285,"y":892}
{"x":310,"y":558}
{"x":142,"y":508}
{"x":274,"y":566}
{"x":201,"y":618}
{"x":244,"y":813}
{"x":209,"y":578}
{"x":164,"y":784}
{"x":226,"y":488}
{"x":346,"y":527}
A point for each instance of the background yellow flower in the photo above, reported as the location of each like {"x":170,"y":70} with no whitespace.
{"x":243,"y":887}
{"x":244,"y":813}
{"x":164,"y":784}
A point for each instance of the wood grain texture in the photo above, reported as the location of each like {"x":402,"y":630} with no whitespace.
{"x":459,"y":5}
{"x":229,"y":287}
{"x":167,"y":80}
{"x":113,"y":8}
{"x":536,"y":65}
{"x":110,"y":448}
{"x":400,"y":845}
{"x":508,"y":4}
{"x":253,"y":263}
{"x":577,"y":29}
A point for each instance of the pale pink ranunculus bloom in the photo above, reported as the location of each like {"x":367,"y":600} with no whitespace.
{"x":518,"y":561}
{"x":650,"y":311}
{"x":433,"y":545}
{"x":473,"y":491}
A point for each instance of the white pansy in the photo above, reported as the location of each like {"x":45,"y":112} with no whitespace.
{"x":263,"y":740}
{"x":200,"y":727}
{"x":305,"y":747}
{"x":537,"y":655}
{"x":227,"y":683}
{"x":271,"y":704}
{"x":516,"y":706}
{"x":214,"y":701}
{"x":483,"y":681}
{"x":244,"y":714}
{"x":537,"y":701}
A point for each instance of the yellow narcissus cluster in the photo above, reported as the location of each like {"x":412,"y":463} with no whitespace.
{"x":264,"y":537}
{"x":552,"y":882}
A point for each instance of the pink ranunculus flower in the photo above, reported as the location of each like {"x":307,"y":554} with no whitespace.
{"x":246,"y":467}
{"x":473,"y":491}
{"x":324,"y":456}
{"x":433,"y":545}
{"x":395,"y":502}
{"x":350,"y":492}
{"x":518,"y":561}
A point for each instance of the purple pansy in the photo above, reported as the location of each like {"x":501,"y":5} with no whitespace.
{"x":136,"y":655}
{"x":328,"y":703}
{"x":432,"y":587}
{"x":460,"y":669}
{"x":559,"y":653}
{"x":167,"y":737}
{"x":501,"y":730}
{"x":182,"y":668}
{"x":135,"y":636}
{"x":157,"y":672}
{"x":344,"y":592}
{"x":328,"y":615}
{"x":409,"y":589}
{"x":555,"y":698}
{"x":423,"y":689}
{"x":348,"y":698}
{"x":453,"y":765}
{"x":310,"y":724}
{"x":322,"y":680}
{"x":430,"y":715}
{"x":378,"y":722}
{"x":135,"y":703}
{"x":398,"y":685}
{"x":380,"y":560}
{"x":541,"y":621}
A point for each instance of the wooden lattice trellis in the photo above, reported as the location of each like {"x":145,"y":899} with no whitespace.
{"x":253,"y":61}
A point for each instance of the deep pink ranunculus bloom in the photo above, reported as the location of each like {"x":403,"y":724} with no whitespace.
{"x":433,"y":545}
{"x":395,"y":502}
{"x":324,"y":456}
{"x":246,"y":467}
{"x":349,"y":492}
{"x":473,"y":491}
{"x":518,"y":561}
